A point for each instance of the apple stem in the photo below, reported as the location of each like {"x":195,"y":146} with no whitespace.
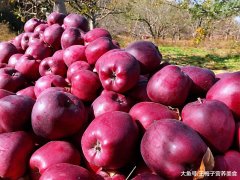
{"x":200,"y":100}
{"x":129,"y":175}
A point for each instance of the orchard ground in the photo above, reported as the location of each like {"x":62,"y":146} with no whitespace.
{"x":218,"y":55}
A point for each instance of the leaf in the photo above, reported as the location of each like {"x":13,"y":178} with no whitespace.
{"x":207,"y":164}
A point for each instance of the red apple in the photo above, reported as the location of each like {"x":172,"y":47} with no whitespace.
{"x":97,"y":48}
{"x":58,"y":55}
{"x":146,"y":113}
{"x":54,"y":152}
{"x":31,"y":24}
{"x":57,"y":114}
{"x":4,"y":93}
{"x":25,"y":40}
{"x":17,"y":43}
{"x":95,"y":34}
{"x":63,"y":171}
{"x":28,"y":66}
{"x":147,"y":54}
{"x":7,"y":50}
{"x":48,"y":81}
{"x":39,"y":50}
{"x":227,"y":90}
{"x":28,"y":91}
{"x":3,"y":65}
{"x":41,"y":28}
{"x":110,"y":140}
{"x":13,"y":60}
{"x":170,"y":147}
{"x":74,"y":53}
{"x":109,"y":175}
{"x":169,"y":86}
{"x":35,"y":38}
{"x":52,"y":36}
{"x":77,"y":66}
{"x":147,"y":176}
{"x":71,"y":36}
{"x":55,"y":18}
{"x":85,"y":85}
{"x":52,"y":66}
{"x":203,"y":79}
{"x":213,"y":120}
{"x":76,"y":21}
{"x":237,"y":135}
{"x":110,"y":101}
{"x":11,"y":79}
{"x":16,"y":148}
{"x":15,"y":113}
{"x":118,"y":71}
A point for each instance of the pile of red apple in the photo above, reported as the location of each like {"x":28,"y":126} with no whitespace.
{"x":74,"y":105}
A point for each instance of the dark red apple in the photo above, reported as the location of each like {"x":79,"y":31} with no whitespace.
{"x":71,"y":36}
{"x":170,"y":147}
{"x":76,"y":21}
{"x":169,"y":86}
{"x":35,"y":38}
{"x":203,"y":79}
{"x":16,"y":148}
{"x":110,"y":140}
{"x":7,"y":50}
{"x":4,"y":93}
{"x":110,"y":101}
{"x":41,"y":28}
{"x":57,"y":114}
{"x":15,"y":113}
{"x":109,"y":175}
{"x":74,"y":53}
{"x":31,"y":24}
{"x":52,"y":36}
{"x":97,"y":48}
{"x":13,"y":60}
{"x":51,"y":65}
{"x":63,"y":171}
{"x":147,"y":176}
{"x":39,"y":50}
{"x":146,"y":113}
{"x":95,"y":34}
{"x":11,"y":79}
{"x":118,"y":71}
{"x":48,"y":81}
{"x":28,"y":91}
{"x":77,"y":66}
{"x":17,"y":43}
{"x":53,"y":152}
{"x":147,"y":54}
{"x":227,"y":90}
{"x":213,"y":120}
{"x":25,"y":40}
{"x":85,"y":85}
{"x":55,"y":18}
{"x":28,"y":66}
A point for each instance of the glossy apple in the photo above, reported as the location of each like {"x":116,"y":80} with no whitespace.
{"x":146,"y":113}
{"x":118,"y":71}
{"x":169,"y":86}
{"x":28,"y":91}
{"x":16,"y":148}
{"x":17,"y":43}
{"x":63,"y":171}
{"x":77,"y":66}
{"x":74,"y":53}
{"x":55,"y":18}
{"x":51,"y":65}
{"x":53,"y":152}
{"x":227,"y":90}
{"x":7,"y":50}
{"x":147,"y":54}
{"x":76,"y":21}
{"x":15,"y":113}
{"x":57,"y":114}
{"x":28,"y":66}
{"x":169,"y":147}
{"x":110,"y":101}
{"x":52,"y":36}
{"x":25,"y":40}
{"x":95,"y":34}
{"x":71,"y":36}
{"x":31,"y":24}
{"x":213,"y":120}
{"x":110,"y":140}
{"x":39,"y":50}
{"x":13,"y":59}
{"x":85,"y":85}
{"x":11,"y":79}
{"x":97,"y":48}
{"x":203,"y":79}
{"x":48,"y":81}
{"x":41,"y":28}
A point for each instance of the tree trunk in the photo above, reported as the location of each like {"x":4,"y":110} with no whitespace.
{"x":59,"y":6}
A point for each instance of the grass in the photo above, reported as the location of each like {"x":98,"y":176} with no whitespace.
{"x":5,"y":33}
{"x":215,"y":59}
